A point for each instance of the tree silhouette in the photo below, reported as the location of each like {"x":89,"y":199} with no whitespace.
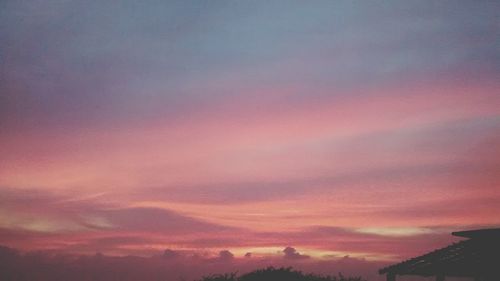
{"x":278,"y":274}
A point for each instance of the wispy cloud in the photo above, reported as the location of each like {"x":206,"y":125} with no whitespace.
{"x":353,"y":128}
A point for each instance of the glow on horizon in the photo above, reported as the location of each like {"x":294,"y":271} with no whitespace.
{"x":392,"y":231}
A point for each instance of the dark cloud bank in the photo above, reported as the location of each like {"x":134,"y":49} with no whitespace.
{"x":170,"y":266}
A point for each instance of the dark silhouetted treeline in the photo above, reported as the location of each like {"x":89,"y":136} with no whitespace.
{"x":278,"y":274}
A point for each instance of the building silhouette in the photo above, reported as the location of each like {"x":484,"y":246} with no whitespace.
{"x":477,"y":257}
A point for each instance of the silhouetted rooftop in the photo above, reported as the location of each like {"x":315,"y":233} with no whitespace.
{"x":477,"y":256}
{"x":479,"y":233}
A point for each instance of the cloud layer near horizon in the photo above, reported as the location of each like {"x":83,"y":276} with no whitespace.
{"x":361,"y":129}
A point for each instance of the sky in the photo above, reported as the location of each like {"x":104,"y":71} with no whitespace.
{"x":367,"y":130}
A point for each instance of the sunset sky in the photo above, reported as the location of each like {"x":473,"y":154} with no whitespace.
{"x":366,"y":129}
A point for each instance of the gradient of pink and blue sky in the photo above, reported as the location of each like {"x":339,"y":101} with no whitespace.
{"x":361,"y":128}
